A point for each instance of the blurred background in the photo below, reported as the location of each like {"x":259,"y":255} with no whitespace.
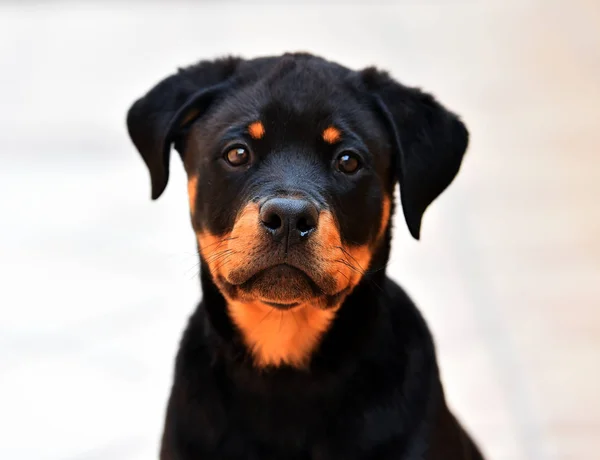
{"x":97,"y":281}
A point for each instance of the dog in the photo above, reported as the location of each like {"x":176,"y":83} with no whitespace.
{"x":302,"y":347}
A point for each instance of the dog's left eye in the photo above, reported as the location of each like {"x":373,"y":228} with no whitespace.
{"x":347,"y":162}
{"x":237,"y":156}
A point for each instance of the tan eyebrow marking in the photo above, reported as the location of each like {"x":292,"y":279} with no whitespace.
{"x":256,"y":130}
{"x":331,"y":135}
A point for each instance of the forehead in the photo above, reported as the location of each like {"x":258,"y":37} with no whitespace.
{"x":297,"y":99}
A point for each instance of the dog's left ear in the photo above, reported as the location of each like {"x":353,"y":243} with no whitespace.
{"x":429,"y":142}
{"x":157,"y":120}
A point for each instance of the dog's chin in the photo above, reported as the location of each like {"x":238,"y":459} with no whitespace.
{"x":280,"y":286}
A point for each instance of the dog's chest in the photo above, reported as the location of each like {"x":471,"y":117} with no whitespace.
{"x":286,"y":421}
{"x":311,"y":427}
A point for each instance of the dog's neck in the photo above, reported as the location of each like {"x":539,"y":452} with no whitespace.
{"x":293,"y":338}
{"x":276,"y":336}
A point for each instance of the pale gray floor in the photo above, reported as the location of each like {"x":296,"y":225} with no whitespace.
{"x":97,"y":281}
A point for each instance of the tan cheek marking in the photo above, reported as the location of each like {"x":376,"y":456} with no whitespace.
{"x":385,"y":216}
{"x":280,"y":337}
{"x":346,"y":263}
{"x":327,"y":231}
{"x":256,"y":130}
{"x":246,"y":222}
{"x":192,"y":190}
{"x":224,"y":253}
{"x":360,"y":257}
{"x":331,"y":135}
{"x":335,"y":258}
{"x":327,"y":253}
{"x":211,"y":248}
{"x":244,"y":236}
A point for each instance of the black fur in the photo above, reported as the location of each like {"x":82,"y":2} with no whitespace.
{"x":372,"y":388}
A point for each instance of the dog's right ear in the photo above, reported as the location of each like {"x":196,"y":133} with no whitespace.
{"x":155,"y":120}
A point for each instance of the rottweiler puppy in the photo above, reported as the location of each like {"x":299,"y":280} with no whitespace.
{"x":302,"y":347}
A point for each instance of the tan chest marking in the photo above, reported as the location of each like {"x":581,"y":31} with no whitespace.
{"x":280,"y":336}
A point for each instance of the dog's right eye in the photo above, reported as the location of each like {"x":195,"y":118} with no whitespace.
{"x":237,"y":155}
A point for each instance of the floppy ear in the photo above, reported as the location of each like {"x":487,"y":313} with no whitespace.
{"x":429,"y":142}
{"x":157,"y":119}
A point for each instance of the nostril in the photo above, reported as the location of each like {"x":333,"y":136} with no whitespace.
{"x":272,"y":221}
{"x":305,"y":225}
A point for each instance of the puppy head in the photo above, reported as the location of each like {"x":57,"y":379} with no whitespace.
{"x":291,"y":165}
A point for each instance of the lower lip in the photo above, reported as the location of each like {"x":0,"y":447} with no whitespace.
{"x":283,"y":306}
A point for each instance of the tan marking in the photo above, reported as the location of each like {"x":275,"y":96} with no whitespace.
{"x":192,"y":190}
{"x":385,"y":216}
{"x":225,"y":253}
{"x":256,"y":130}
{"x":213,"y":249}
{"x":280,"y":336}
{"x":246,"y":237}
{"x":189,"y":117}
{"x":331,"y":135}
{"x":346,"y":263}
{"x":360,"y":258}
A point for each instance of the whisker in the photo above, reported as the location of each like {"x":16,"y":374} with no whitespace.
{"x":216,"y":255}
{"x":271,"y":310}
{"x":226,"y":259}
{"x":383,"y":267}
{"x":344,"y":275}
{"x":361,"y":272}
{"x":294,"y":316}
{"x":350,"y":266}
{"x":191,"y":268}
{"x":351,"y":256}
{"x":194,"y":275}
{"x":223,"y":240}
{"x":216,"y":243}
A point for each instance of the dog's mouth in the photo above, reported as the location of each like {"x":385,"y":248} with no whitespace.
{"x":250,"y":264}
{"x":281,"y":286}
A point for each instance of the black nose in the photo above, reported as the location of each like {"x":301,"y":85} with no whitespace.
{"x":293,"y":219}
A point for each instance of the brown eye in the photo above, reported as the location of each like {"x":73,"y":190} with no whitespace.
{"x":348,"y":163}
{"x":237,"y":156}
